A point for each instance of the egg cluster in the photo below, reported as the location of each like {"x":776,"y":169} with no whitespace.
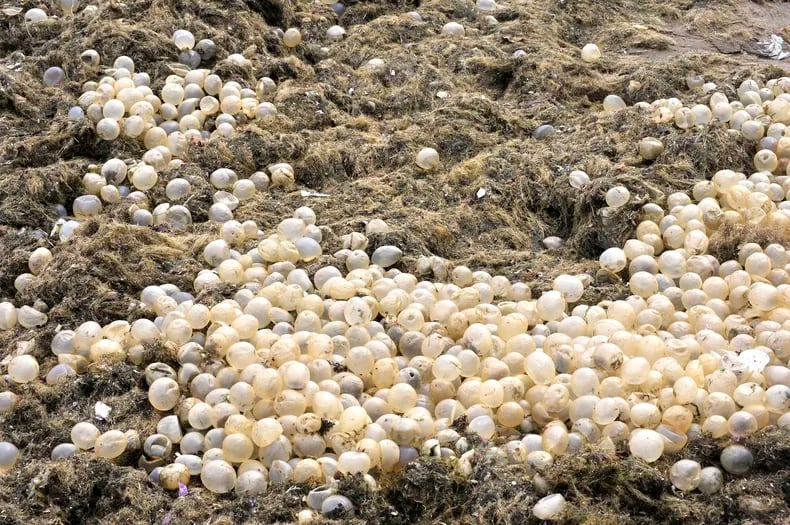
{"x":761,"y":114}
{"x":357,"y":367}
{"x":116,"y":182}
{"x":193,"y":104}
{"x":299,"y":377}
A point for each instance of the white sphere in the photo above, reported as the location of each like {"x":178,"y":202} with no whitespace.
{"x":591,"y":53}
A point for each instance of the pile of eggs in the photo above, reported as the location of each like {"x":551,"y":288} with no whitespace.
{"x":116,"y":181}
{"x":360,"y":368}
{"x":194,"y":103}
{"x":37,"y":15}
{"x":764,"y":192}
{"x":297,"y":377}
{"x":762,"y":198}
{"x":760,"y":113}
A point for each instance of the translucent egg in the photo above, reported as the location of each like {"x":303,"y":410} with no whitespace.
{"x":686,"y":474}
{"x":206,"y":48}
{"x":108,"y":129}
{"x":172,"y":94}
{"x":183,"y":39}
{"x":337,"y":506}
{"x":38,"y":260}
{"x":8,"y":401}
{"x":251,"y":482}
{"x":23,"y":369}
{"x":550,"y":508}
{"x":114,"y":109}
{"x":650,"y":148}
{"x":447,"y":367}
{"x":63,"y":451}
{"x":265,"y":110}
{"x":684,"y":118}
{"x":613,"y":260}
{"x":758,"y":264}
{"x":635,"y":371}
{"x":551,"y":305}
{"x":763,"y":296}
{"x":702,"y":114}
{"x":164,"y":394}
{"x":685,"y":389}
{"x":613,"y":103}
{"x":402,"y":397}
{"x":111,"y":444}
{"x":483,"y":426}
{"x":617,"y":196}
{"x":722,"y":112}
{"x":84,"y":435}
{"x":76,"y":114}
{"x":59,"y":373}
{"x":578,"y":179}
{"x":736,"y":459}
{"x":386,"y":256}
{"x":742,"y":423}
{"x":777,"y":399}
{"x":218,"y":476}
{"x":492,"y":393}
{"x":178,"y":189}
{"x":643,"y":284}
{"x":9,"y":454}
{"x":591,"y":53}
{"x":172,"y":476}
{"x":453,"y":29}
{"x":53,"y":76}
{"x":244,"y":189}
{"x":486,"y":6}
{"x":351,"y":463}
{"x":142,"y":218}
{"x":540,"y":368}
{"x":35,"y":15}
{"x":282,"y":175}
{"x":427,"y":159}
{"x":266,"y":431}
{"x":752,"y":130}
{"x":646,"y":444}
{"x":569,"y":286}
{"x":672,"y":263}
{"x":8,"y":316}
{"x":29,"y":317}
{"x":237,"y":448}
{"x":292,"y":37}
{"x":335,"y":33}
{"x":543,"y":131}
{"x":711,"y":480}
